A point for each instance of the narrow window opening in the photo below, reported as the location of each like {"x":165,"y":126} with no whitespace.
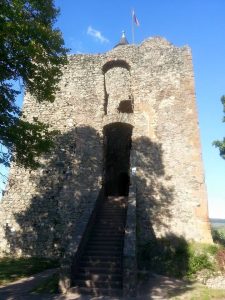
{"x":126,"y":106}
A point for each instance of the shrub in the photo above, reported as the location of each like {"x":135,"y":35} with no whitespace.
{"x":218,"y":235}
{"x":197,"y":263}
{"x":175,"y":257}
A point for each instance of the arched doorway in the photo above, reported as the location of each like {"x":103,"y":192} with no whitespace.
{"x":117,"y":145}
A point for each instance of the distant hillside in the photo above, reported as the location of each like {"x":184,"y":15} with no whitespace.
{"x":217,"y":222}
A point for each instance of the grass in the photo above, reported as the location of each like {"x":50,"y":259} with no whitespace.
{"x":200,"y":292}
{"x":14,"y":269}
{"x":50,"y":286}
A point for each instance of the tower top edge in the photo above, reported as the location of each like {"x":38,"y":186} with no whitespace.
{"x":150,"y":42}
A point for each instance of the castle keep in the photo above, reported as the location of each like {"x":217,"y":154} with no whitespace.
{"x":126,"y":119}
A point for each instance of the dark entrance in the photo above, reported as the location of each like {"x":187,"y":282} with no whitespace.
{"x":117,"y":145}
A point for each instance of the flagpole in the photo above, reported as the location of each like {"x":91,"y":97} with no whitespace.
{"x":132,"y":25}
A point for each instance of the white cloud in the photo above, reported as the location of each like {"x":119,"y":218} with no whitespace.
{"x":97,"y":35}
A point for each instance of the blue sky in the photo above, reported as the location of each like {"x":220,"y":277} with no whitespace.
{"x":95,"y":27}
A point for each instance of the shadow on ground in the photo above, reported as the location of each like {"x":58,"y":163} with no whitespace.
{"x":154,"y":286}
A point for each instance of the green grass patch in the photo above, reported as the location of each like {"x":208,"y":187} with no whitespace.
{"x":50,"y":286}
{"x":199,"y":292}
{"x":13,"y":269}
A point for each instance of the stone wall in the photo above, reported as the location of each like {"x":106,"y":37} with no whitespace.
{"x":41,"y":208}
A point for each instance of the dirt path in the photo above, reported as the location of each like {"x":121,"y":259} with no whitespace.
{"x":161,"y":287}
{"x":20,"y":289}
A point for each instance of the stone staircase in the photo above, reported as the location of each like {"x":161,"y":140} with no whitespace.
{"x":100,"y":269}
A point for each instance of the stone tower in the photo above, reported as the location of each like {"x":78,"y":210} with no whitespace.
{"x":125,"y":117}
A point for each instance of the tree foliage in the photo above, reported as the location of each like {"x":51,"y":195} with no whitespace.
{"x":31,"y":51}
{"x":221,"y":144}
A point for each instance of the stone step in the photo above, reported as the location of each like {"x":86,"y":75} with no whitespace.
{"x":111,"y":219}
{"x":111,"y":222}
{"x":104,"y":247}
{"x":97,"y":292}
{"x":95,"y":258}
{"x":111,"y":216}
{"x":108,"y":230}
{"x":99,"y":277}
{"x":114,"y":234}
{"x":100,"y":264}
{"x":115,"y":199}
{"x":99,"y":284}
{"x":109,"y":226}
{"x":118,"y":240}
{"x":112,"y":209}
{"x":115,"y":203}
{"x":118,"y":208}
{"x":106,"y":234}
{"x":104,"y":270}
{"x":100,"y":269}
{"x":117,"y":232}
{"x":110,"y":241}
{"x":116,"y":253}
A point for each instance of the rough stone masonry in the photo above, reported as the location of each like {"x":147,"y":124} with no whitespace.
{"x":142,"y":94}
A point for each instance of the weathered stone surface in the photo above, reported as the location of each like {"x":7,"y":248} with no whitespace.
{"x":130,"y":245}
{"x":216,"y":282}
{"x":41,"y":208}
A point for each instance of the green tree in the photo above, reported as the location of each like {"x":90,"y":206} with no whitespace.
{"x":32,"y":52}
{"x":221,"y":144}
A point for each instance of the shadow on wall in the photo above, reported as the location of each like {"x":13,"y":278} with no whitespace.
{"x":68,"y":185}
{"x":169,"y":256}
{"x":155,"y":195}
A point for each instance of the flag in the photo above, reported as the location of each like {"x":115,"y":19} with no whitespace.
{"x":135,"y":19}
